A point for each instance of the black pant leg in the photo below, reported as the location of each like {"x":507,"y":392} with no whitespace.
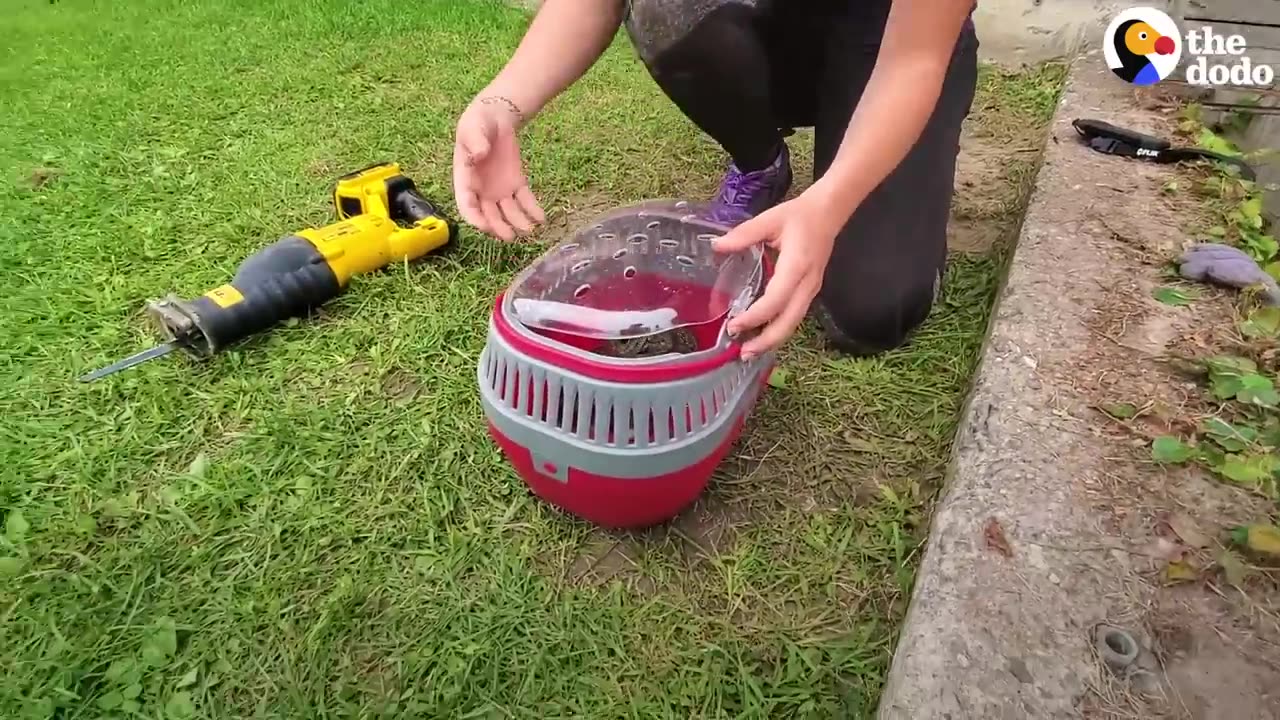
{"x":888,"y":260}
{"x":723,"y":73}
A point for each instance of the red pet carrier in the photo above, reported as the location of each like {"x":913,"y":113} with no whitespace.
{"x":608,"y":378}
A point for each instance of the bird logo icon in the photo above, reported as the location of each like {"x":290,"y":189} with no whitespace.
{"x":1143,"y":46}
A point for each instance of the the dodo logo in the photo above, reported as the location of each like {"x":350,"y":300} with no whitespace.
{"x":1142,"y":46}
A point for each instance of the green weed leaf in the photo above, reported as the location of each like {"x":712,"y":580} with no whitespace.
{"x":1230,"y":364}
{"x":1174,"y":296}
{"x":1273,"y":269}
{"x":16,"y":527}
{"x":1240,"y":535}
{"x":1263,"y":322}
{"x":1251,"y":211}
{"x":1269,"y":437}
{"x":85,"y":524}
{"x":161,"y":643}
{"x":1217,"y":231}
{"x":1209,"y":140}
{"x":180,"y":706}
{"x":1226,"y":375}
{"x":778,"y":378}
{"x":199,"y":466}
{"x":1171,"y":450}
{"x":1232,"y":438}
{"x":1121,"y":411}
{"x":1260,"y":246}
{"x":1247,"y":469}
{"x":1211,"y":455}
{"x":110,"y":701}
{"x":11,"y":567}
{"x":1258,"y":390}
{"x":1224,"y":387}
{"x":119,"y":670}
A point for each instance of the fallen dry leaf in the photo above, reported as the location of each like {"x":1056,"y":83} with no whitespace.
{"x":1179,"y":571}
{"x":1185,"y":528}
{"x":1233,"y":569}
{"x":995,"y":538}
{"x":1264,"y":539}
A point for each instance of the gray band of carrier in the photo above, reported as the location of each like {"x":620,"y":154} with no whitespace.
{"x":572,"y":414}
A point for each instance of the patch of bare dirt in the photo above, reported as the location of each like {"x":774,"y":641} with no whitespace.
{"x":1213,"y":653}
{"x":43,"y":176}
{"x":980,"y":174}
{"x":974,"y":236}
{"x":604,"y":557}
{"x":709,"y":529}
{"x":702,"y":534}
{"x":325,"y":167}
{"x":572,"y":213}
{"x":992,"y":181}
{"x":1216,"y":638}
{"x":401,"y":386}
{"x":705,"y":531}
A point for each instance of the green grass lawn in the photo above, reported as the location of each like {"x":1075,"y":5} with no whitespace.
{"x":315,"y":525}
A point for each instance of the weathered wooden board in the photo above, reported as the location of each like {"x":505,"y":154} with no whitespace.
{"x":1258,"y":22}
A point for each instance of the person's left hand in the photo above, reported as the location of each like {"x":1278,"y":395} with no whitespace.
{"x":802,"y":231}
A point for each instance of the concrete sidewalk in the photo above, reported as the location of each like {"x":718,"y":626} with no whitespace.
{"x":990,"y":635}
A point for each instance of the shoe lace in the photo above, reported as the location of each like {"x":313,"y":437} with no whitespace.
{"x":739,"y":187}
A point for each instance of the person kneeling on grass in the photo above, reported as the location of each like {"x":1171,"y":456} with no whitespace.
{"x":885,"y":85}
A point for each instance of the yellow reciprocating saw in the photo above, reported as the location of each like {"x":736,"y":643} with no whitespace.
{"x":382,"y":219}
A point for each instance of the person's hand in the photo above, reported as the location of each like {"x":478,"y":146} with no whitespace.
{"x":489,"y":185}
{"x":802,"y":231}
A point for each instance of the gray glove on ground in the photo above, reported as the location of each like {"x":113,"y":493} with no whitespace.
{"x":1226,"y":265}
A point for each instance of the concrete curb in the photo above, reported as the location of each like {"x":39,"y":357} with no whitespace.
{"x":989,"y":636}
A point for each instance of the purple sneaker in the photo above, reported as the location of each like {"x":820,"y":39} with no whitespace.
{"x":745,"y":195}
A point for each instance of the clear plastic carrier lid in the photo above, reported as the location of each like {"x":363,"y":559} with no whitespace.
{"x":633,"y":272}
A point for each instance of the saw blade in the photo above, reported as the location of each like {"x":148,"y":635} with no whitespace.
{"x":138,"y":359}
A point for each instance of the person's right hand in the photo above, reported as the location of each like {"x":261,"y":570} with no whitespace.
{"x":489,"y":185}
